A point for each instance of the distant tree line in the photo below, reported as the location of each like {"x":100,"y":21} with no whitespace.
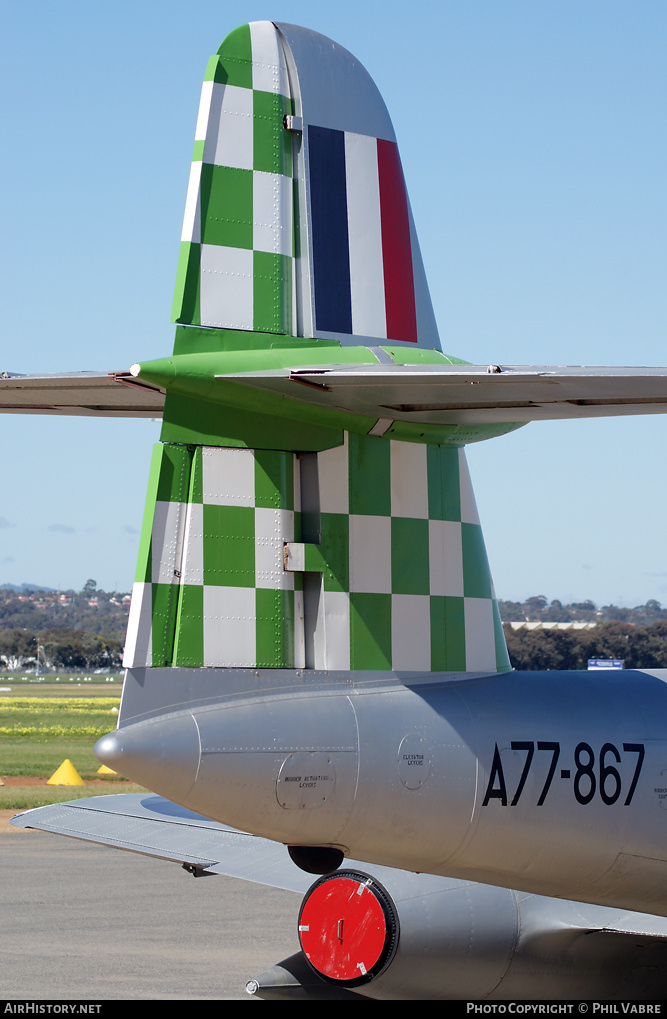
{"x":538,"y":609}
{"x":51,"y":630}
{"x":58,"y":648}
{"x":39,"y":610}
{"x":641,"y":647}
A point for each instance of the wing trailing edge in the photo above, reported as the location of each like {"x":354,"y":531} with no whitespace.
{"x":152,"y":826}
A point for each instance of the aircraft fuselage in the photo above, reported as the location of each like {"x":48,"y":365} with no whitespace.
{"x":550,"y":782}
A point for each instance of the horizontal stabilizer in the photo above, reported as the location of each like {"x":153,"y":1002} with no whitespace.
{"x":468,"y":394}
{"x":85,"y":394}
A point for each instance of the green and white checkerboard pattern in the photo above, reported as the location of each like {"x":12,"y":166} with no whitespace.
{"x":211,"y":588}
{"x":406,"y":582}
{"x":405,"y":578}
{"x":235,"y":265}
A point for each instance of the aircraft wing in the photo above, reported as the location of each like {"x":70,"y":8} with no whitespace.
{"x":534,"y":941}
{"x":87,"y":394}
{"x":469,"y":394}
{"x":152,"y":826}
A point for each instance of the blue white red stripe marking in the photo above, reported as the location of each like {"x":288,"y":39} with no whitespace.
{"x":331,"y":252}
{"x":362,"y":256}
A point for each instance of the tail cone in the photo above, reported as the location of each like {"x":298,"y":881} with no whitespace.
{"x":161,"y":754}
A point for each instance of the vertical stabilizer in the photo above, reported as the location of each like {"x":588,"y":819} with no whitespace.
{"x":367,"y":556}
{"x":297,"y":218}
{"x":340,"y":548}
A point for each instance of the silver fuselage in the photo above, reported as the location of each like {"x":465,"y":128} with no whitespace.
{"x":550,"y":782}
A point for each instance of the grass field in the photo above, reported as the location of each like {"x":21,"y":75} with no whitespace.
{"x":41,"y":726}
{"x":20,"y":797}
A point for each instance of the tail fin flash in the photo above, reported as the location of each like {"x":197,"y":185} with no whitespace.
{"x":297,"y":218}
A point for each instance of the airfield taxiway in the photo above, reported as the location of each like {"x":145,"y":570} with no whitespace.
{"x":84,"y":922}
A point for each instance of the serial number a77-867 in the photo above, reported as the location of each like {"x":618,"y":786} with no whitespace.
{"x":593,"y":774}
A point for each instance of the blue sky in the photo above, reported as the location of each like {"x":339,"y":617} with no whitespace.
{"x":533,"y":139}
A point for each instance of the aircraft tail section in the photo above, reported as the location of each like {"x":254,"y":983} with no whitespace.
{"x":297,"y":218}
{"x":342,"y":547}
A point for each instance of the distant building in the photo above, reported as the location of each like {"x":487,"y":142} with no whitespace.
{"x":523,"y":624}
